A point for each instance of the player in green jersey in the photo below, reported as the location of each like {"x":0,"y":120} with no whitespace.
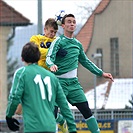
{"x":43,"y":42}
{"x":65,"y":68}
{"x":37,"y":89}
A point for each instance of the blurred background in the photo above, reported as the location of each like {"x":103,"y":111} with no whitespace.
{"x":105,"y":29}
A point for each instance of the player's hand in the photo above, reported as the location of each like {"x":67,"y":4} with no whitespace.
{"x":108,"y":75}
{"x":61,"y":52}
{"x":53,"y":68}
{"x":12,"y":123}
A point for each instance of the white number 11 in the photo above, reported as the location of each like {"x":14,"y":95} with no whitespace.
{"x":46,"y":81}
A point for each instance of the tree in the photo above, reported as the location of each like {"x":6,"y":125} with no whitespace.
{"x":85,"y":9}
{"x":12,"y":65}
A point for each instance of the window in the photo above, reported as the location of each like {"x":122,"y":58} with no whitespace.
{"x":99,"y":62}
{"x":114,"y":48}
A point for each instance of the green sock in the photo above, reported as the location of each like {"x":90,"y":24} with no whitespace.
{"x":60,"y":119}
{"x":92,"y":125}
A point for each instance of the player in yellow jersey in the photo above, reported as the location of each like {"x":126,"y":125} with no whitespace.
{"x":44,"y":41}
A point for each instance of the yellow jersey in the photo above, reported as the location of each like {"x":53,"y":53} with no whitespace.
{"x":43,"y":43}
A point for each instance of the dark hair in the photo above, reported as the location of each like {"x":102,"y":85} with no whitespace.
{"x":51,"y":23}
{"x":30,"y":53}
{"x":67,"y":15}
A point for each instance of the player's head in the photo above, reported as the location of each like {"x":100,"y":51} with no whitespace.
{"x":67,"y":16}
{"x":69,"y":22}
{"x":30,"y":53}
{"x":50,"y":28}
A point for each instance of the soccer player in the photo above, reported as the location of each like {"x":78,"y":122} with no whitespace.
{"x":65,"y":68}
{"x":38,"y":90}
{"x":43,"y":41}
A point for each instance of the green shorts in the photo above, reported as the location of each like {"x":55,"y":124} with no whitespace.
{"x":73,"y":90}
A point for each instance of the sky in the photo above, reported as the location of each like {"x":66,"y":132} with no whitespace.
{"x":49,"y":7}
{"x":28,"y":8}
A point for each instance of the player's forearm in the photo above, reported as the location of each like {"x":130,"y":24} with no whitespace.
{"x":49,"y":62}
{"x":67,"y":114}
{"x":88,"y":64}
{"x":95,"y":70}
{"x":11,"y":108}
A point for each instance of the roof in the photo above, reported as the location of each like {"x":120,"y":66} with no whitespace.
{"x":118,"y":97}
{"x":86,"y":32}
{"x":121,"y":91}
{"x":10,"y":17}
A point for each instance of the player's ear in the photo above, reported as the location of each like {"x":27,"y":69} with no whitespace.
{"x":45,"y":29}
{"x":63,"y":25}
{"x":22,"y":59}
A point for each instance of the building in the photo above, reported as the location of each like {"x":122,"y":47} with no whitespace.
{"x":9,"y":19}
{"x":108,"y":31}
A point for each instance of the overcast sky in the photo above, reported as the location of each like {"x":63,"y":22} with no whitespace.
{"x":29,"y":7}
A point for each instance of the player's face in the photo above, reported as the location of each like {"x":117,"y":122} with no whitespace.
{"x":50,"y":32}
{"x":70,"y":24}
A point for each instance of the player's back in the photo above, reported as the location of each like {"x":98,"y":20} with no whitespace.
{"x":38,"y":99}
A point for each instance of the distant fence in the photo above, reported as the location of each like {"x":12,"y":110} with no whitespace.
{"x":109,"y":121}
{"x":108,"y":114}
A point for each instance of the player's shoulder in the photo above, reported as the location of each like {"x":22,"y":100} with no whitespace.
{"x":56,"y":40}
{"x":61,"y":38}
{"x":20,"y":70}
{"x":52,"y":75}
{"x":76,"y":40}
{"x":37,"y":36}
{"x":48,"y":73}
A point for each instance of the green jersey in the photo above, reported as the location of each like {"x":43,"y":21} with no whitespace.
{"x":37,"y":89}
{"x":69,"y":62}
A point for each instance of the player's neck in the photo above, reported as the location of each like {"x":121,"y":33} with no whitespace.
{"x":26,"y":64}
{"x":68,"y":34}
